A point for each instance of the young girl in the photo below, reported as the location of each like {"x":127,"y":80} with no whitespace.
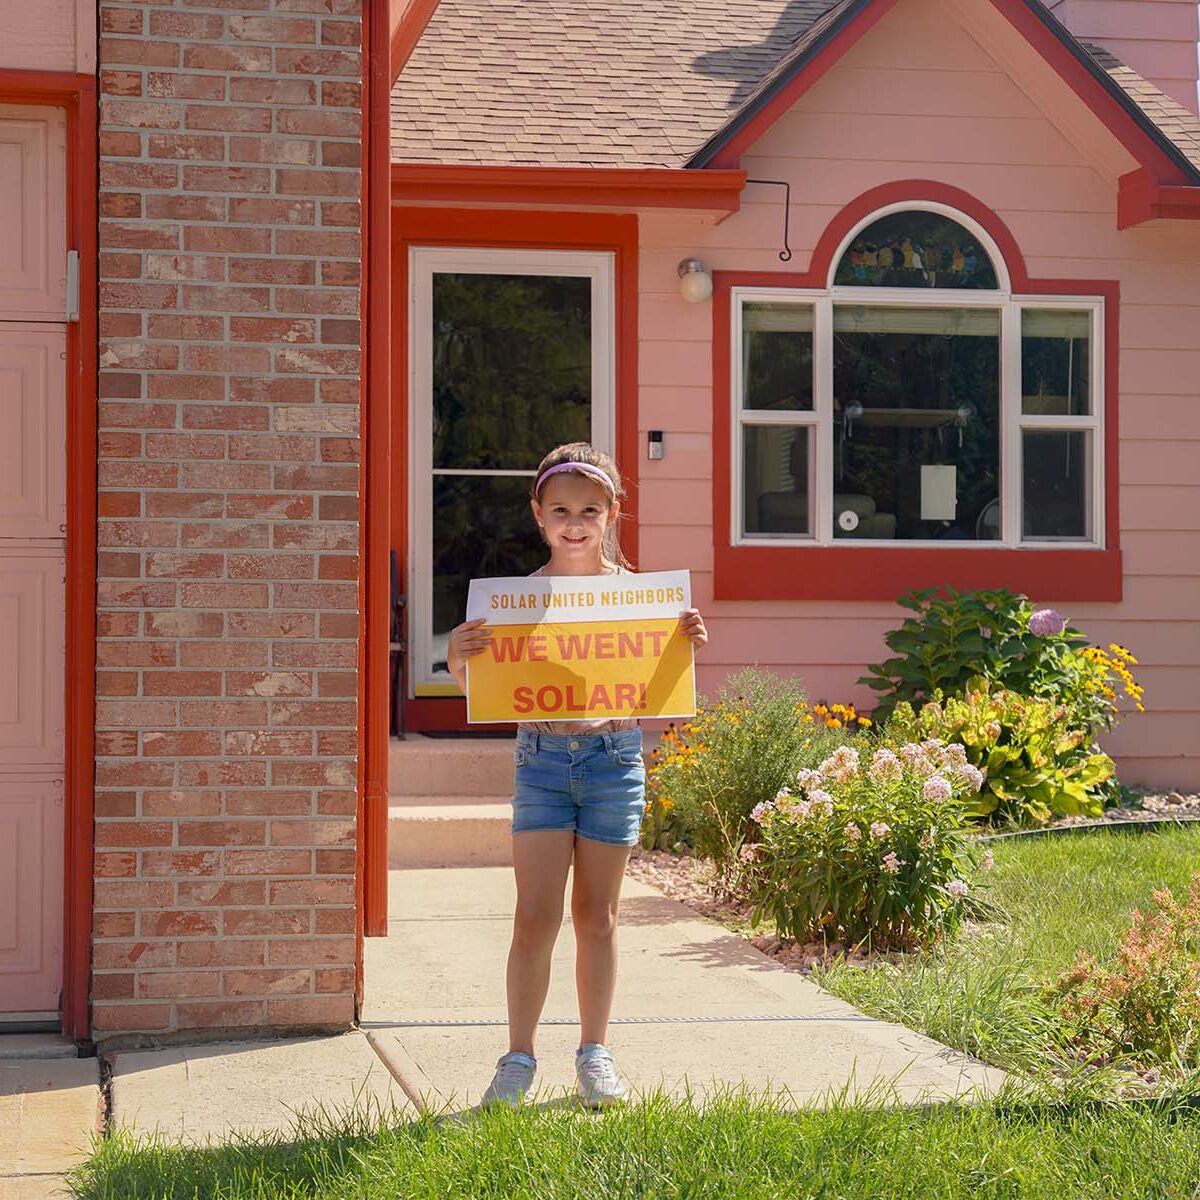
{"x":579,"y":796}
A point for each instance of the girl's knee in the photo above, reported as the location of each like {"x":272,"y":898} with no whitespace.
{"x":535,"y":928}
{"x":596,"y":922}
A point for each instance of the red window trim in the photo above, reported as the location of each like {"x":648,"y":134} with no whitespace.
{"x":850,"y":572}
{"x":513,"y":228}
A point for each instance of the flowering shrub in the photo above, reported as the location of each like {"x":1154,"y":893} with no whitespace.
{"x":737,"y":751}
{"x":1001,"y":637}
{"x":852,"y":851}
{"x":1035,"y":765}
{"x":1147,"y":1004}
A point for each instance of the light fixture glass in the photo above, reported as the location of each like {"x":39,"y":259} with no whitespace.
{"x":695,"y":283}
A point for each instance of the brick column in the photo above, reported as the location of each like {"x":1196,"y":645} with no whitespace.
{"x":230,"y":143}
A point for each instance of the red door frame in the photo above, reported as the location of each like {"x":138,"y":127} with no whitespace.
{"x":76,"y":94}
{"x":530,"y":230}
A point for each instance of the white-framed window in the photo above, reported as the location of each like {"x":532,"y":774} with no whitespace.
{"x":917,"y":399}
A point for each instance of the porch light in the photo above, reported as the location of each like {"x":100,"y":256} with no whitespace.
{"x":696,"y":283}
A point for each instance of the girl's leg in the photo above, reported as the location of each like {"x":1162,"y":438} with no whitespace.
{"x":540,"y":859}
{"x":595,"y":898}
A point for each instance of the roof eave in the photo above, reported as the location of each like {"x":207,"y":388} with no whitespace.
{"x":624,"y":189}
{"x":1141,"y":199}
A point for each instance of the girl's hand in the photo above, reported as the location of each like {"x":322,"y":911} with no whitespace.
{"x":467,"y":640}
{"x":692,"y":624}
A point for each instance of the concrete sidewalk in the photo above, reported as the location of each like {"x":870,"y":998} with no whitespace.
{"x":696,"y":1008}
{"x":50,"y":1108}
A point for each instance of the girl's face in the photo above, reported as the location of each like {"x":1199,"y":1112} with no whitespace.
{"x":574,"y":513}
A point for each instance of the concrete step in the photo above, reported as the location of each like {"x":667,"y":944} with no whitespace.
{"x":426,"y":766}
{"x":432,"y":800}
{"x":465,"y":835}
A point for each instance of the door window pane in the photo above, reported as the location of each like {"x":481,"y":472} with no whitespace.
{"x":512,"y":368}
{"x":916,"y":428}
{"x":1057,"y":475}
{"x":482,"y":526}
{"x":777,"y":356}
{"x":777,"y":470}
{"x":1056,"y":376}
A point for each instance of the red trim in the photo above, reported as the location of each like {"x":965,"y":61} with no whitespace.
{"x":414,"y":17}
{"x":1106,"y":107}
{"x":594,"y":187}
{"x":848,"y":572}
{"x":529,"y":230}
{"x":374,"y":576}
{"x":1140,"y":199}
{"x":77,"y":95}
{"x":1108,"y":110}
{"x":730,"y":154}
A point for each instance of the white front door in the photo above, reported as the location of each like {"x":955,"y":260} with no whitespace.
{"x":512,"y":354}
{"x":33,"y":374}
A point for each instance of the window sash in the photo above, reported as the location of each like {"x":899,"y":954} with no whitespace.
{"x":1013,"y":422}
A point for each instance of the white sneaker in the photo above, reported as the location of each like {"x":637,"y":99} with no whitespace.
{"x":513,"y":1078}
{"x":596,"y":1076}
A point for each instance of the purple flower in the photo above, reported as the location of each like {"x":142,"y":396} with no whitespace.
{"x":1046,"y":622}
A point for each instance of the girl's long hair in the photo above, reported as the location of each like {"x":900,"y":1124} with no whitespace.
{"x":584,"y":452}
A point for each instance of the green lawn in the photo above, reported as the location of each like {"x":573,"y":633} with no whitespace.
{"x":735,"y":1148}
{"x":1054,"y":897}
{"x":1051,"y":898}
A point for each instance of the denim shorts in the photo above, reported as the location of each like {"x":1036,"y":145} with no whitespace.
{"x":594,"y":784}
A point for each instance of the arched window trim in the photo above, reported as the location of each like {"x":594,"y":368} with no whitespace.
{"x":819,"y":420}
{"x":985,"y":239}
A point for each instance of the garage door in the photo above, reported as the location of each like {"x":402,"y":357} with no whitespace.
{"x":33,"y":348}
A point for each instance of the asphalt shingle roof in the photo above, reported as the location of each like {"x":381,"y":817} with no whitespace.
{"x":612,"y":83}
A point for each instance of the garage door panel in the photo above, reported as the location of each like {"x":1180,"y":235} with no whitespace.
{"x":32,"y":658}
{"x":31,"y":849}
{"x":32,"y":433}
{"x":33,"y":195}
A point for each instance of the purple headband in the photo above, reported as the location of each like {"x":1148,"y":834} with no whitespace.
{"x":586,"y":468}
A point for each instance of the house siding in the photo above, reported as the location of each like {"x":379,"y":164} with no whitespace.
{"x":229,"y":387}
{"x":919,"y":98}
{"x":1157,"y":38}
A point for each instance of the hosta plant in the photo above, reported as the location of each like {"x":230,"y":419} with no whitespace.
{"x":866,"y":850}
{"x":956,"y":636}
{"x":1036,"y":766}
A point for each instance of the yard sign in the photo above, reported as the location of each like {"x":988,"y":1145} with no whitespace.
{"x":571,"y":647}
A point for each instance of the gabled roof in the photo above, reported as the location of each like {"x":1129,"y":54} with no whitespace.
{"x":669,"y":84}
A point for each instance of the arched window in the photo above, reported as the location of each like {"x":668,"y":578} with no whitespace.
{"x":915,"y":248}
{"x":917,"y":399}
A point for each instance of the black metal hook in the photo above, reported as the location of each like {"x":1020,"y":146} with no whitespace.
{"x":785,"y":255}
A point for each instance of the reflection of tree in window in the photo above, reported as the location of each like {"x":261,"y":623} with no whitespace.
{"x":512,"y":378}
{"x":511,"y":368}
{"x":914,"y":387}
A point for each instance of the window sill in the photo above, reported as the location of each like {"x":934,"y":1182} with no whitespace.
{"x":884,"y":572}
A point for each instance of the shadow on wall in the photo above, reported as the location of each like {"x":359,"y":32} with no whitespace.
{"x":749,"y":63}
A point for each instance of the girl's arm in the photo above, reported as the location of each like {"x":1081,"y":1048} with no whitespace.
{"x":466,"y":640}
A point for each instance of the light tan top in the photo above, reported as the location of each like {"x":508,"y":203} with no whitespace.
{"x":566,"y":728}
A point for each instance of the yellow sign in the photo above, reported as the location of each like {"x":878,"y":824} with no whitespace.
{"x":571,"y":648}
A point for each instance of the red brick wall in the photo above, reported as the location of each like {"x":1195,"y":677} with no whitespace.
{"x":228,"y":531}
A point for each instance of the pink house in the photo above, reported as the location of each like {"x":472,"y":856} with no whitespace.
{"x":865,"y":296}
{"x":951,"y":337}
